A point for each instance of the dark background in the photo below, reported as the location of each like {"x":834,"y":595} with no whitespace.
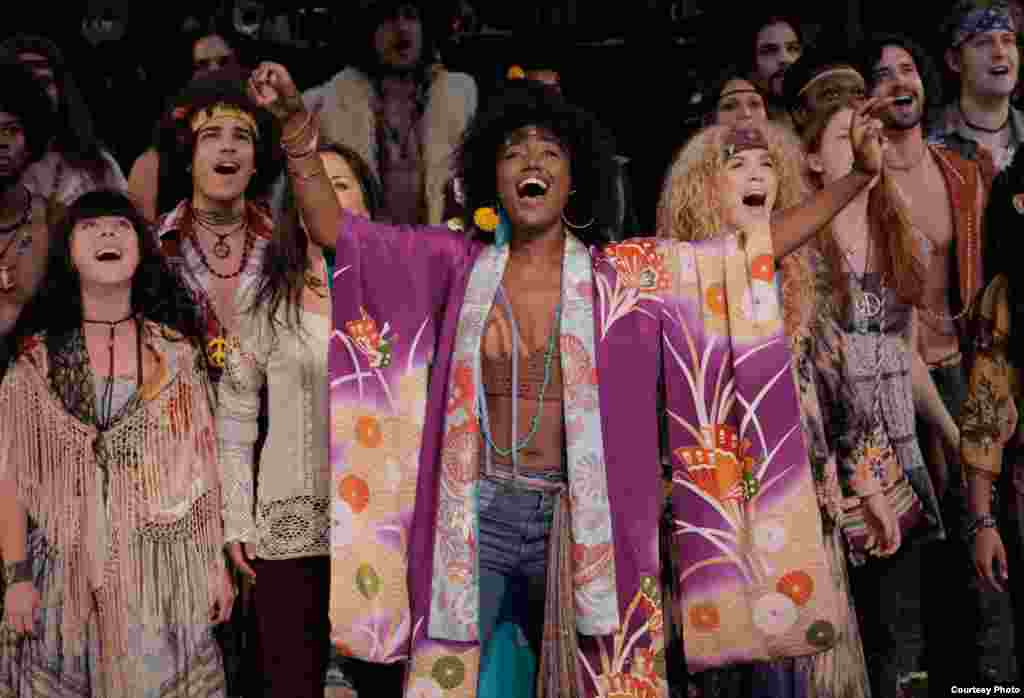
{"x":635,"y":63}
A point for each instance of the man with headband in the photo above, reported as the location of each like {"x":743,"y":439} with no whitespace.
{"x":982,"y":52}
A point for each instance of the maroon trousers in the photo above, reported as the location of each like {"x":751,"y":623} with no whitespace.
{"x":291,"y":614}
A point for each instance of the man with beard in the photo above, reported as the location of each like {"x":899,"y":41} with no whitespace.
{"x":25,"y":124}
{"x":777,"y":45}
{"x":945,"y":193}
{"x":982,"y":52}
{"x":399,"y":109}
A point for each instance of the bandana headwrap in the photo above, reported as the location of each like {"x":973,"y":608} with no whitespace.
{"x":220,"y":110}
{"x":990,"y":16}
{"x":743,"y":138}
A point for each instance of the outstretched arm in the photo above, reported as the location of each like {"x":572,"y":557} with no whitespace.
{"x":272,"y":87}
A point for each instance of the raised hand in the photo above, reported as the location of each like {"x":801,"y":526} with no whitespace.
{"x":867,"y":135}
{"x":271,"y":87}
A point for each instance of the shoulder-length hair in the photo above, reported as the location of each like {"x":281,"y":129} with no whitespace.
{"x":690,"y":206}
{"x":176,"y":142}
{"x":74,"y":134}
{"x":589,"y":145}
{"x":158,"y":293}
{"x":889,"y":224}
{"x":286,"y":261}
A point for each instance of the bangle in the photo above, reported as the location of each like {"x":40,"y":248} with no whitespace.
{"x":288,"y":140}
{"x":17,"y":572}
{"x":977,"y":523}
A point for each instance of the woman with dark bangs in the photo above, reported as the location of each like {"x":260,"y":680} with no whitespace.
{"x":109,"y":483}
{"x":495,"y":433}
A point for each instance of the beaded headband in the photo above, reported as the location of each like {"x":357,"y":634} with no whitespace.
{"x":744,"y":138}
{"x":203,"y":117}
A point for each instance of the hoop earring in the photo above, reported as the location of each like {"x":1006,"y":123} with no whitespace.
{"x":577,"y":227}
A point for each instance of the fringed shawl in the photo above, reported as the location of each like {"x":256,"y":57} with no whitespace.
{"x":144,"y":551}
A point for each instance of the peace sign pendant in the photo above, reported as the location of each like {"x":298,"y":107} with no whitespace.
{"x":869,"y":304}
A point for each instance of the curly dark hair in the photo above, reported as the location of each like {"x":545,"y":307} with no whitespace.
{"x":870,"y":53}
{"x":74,"y":131}
{"x":590,"y":146}
{"x":286,"y":260}
{"x":25,"y":99}
{"x":176,"y":142}
{"x":158,"y":293}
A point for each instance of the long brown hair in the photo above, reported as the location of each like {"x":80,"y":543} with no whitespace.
{"x":888,"y":223}
{"x":286,"y":260}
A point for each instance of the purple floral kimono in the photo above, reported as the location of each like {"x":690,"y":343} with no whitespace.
{"x":698,"y":324}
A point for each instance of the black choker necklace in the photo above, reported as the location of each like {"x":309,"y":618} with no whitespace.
{"x":983,"y":129}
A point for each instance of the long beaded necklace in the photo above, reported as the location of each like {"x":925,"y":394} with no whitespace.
{"x":18,"y":241}
{"x":211,"y":220}
{"x":206,"y":262}
{"x":549,"y":353}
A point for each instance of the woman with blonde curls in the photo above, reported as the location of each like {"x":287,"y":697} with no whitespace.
{"x":702,"y":199}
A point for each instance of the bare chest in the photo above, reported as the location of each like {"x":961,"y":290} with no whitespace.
{"x":930,"y":209}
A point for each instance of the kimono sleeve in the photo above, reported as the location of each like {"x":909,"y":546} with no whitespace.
{"x":753,"y":576}
{"x":390,"y":294}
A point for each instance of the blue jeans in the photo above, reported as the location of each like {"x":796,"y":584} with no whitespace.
{"x":515,"y":525}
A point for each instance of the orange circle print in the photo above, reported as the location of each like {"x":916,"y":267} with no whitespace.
{"x":763,"y":268}
{"x":368,"y":432}
{"x":355,"y":492}
{"x":715,"y":298}
{"x":704,"y":616}
{"x":797,"y":585}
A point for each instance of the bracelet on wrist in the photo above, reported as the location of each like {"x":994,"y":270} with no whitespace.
{"x":17,"y":572}
{"x":977,"y":523}
{"x":299,"y":132}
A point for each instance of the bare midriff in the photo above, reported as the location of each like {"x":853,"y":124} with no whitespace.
{"x":543,"y":452}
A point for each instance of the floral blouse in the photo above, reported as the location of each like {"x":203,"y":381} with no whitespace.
{"x":994,"y":382}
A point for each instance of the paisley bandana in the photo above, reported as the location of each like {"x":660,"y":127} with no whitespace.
{"x":994,"y":17}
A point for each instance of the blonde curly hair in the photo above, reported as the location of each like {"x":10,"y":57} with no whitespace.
{"x":690,"y":205}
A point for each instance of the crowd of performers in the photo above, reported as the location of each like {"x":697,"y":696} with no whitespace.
{"x":382,"y":360}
